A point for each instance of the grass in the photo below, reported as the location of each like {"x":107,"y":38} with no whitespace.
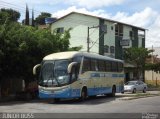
{"x":144,"y":94}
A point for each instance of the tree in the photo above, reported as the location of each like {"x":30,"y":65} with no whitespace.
{"x":137,"y":57}
{"x":78,"y":48}
{"x":21,"y":47}
{"x":155,"y":67}
{"x":11,"y":14}
{"x":32,"y":17}
{"x":27,"y":16}
{"x":41,"y":18}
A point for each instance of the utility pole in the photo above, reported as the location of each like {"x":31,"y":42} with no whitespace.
{"x":152,"y":64}
{"x":88,"y":40}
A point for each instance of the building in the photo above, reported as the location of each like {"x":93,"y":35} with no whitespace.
{"x":106,"y":37}
{"x":100,"y":35}
{"x":155,"y":58}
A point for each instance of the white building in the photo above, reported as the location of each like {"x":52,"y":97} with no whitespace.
{"x":106,"y":37}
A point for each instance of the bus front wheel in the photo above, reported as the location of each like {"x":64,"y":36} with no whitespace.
{"x":83,"y":94}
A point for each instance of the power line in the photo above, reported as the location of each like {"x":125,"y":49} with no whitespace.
{"x":18,"y":6}
{"x":97,"y":39}
{"x":14,"y":8}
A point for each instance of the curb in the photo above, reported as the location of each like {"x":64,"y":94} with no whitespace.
{"x":145,"y":96}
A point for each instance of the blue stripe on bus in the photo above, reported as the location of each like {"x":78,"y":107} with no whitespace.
{"x":75,"y":93}
{"x":64,"y":93}
{"x":94,"y":75}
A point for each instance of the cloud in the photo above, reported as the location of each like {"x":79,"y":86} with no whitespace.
{"x":147,"y":18}
{"x":143,"y":18}
{"x":96,"y":3}
{"x":63,"y":12}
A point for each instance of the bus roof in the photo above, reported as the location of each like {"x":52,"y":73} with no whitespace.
{"x":71,"y":54}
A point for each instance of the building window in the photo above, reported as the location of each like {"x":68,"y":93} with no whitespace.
{"x":60,"y":30}
{"x":111,"y":27}
{"x":119,"y":30}
{"x":106,"y":49}
{"x":112,"y":49}
{"x":131,"y":34}
{"x":116,"y":29}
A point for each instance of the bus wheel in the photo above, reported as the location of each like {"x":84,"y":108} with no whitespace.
{"x":83,"y":94}
{"x":113,"y":91}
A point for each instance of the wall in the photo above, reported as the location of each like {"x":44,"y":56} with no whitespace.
{"x":79,"y":24}
{"x":148,"y":75}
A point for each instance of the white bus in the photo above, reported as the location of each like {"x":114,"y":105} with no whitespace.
{"x":79,"y":75}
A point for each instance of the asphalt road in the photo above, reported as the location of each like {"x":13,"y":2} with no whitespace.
{"x":96,"y":105}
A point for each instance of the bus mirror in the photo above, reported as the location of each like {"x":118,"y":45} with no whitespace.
{"x":70,"y":66}
{"x":34,"y":68}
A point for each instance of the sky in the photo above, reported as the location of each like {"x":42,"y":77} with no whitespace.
{"x":141,"y":13}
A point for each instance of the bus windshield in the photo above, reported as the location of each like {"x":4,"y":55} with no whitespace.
{"x":54,"y":73}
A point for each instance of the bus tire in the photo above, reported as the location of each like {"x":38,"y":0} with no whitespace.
{"x":83,"y":94}
{"x":113,"y":91}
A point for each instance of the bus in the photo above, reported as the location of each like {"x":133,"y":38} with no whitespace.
{"x":80,"y":75}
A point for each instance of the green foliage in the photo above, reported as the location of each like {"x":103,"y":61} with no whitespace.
{"x":149,"y":66}
{"x":9,"y":14}
{"x":21,"y":47}
{"x":41,"y":18}
{"x":27,"y":16}
{"x":137,"y":56}
{"x":155,"y":67}
{"x":75,"y":48}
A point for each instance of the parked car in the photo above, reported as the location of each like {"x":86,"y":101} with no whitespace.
{"x":134,"y":86}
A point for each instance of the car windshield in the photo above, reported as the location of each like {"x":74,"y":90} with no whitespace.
{"x":54,"y":73}
{"x":131,"y":83}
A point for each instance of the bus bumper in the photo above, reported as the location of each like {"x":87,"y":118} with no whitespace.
{"x":64,"y":93}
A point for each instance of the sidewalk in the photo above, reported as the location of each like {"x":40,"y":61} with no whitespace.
{"x":130,"y":96}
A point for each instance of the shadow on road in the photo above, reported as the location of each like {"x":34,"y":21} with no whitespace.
{"x":89,"y":101}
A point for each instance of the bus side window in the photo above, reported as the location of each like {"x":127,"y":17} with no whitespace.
{"x":86,"y":65}
{"x":108,"y":66}
{"x":101,"y":65}
{"x":114,"y":66}
{"x":120,"y":66}
{"x":94,"y":66}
